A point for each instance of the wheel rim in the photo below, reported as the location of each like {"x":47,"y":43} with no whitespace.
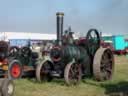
{"x":74,"y":74}
{"x":15,"y":71}
{"x":10,"y":89}
{"x":107,"y":65}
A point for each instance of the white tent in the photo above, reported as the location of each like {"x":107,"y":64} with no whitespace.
{"x":27,"y":35}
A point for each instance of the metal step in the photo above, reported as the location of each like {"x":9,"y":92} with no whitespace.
{"x":55,"y":74}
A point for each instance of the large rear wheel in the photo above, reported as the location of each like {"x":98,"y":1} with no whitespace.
{"x":103,"y":64}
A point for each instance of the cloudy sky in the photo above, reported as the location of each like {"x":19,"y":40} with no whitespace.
{"x":108,"y":16}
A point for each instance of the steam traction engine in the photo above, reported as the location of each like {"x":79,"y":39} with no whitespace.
{"x":72,"y":60}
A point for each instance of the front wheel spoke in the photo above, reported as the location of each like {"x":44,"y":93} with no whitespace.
{"x":108,"y":70}
{"x":72,"y":72}
{"x":76,"y":70}
{"x":103,"y":65}
{"x":108,"y":65}
{"x":70,"y":76}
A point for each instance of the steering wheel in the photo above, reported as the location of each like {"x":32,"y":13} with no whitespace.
{"x":13,"y":51}
{"x":93,"y":41}
{"x":26,"y":51}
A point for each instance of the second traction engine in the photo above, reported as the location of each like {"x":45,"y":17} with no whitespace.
{"x":72,"y":59}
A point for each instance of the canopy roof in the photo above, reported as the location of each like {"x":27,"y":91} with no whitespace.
{"x":27,"y":35}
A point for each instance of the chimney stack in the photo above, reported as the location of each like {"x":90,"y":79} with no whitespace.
{"x":59,"y":16}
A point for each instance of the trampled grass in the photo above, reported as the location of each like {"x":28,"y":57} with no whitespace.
{"x":89,"y":87}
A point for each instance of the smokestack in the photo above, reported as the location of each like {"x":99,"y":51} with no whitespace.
{"x":59,"y":16}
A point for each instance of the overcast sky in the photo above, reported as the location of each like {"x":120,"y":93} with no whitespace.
{"x":108,"y":16}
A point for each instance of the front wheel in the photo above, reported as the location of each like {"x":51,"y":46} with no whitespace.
{"x":15,"y":70}
{"x":43,"y":72}
{"x":72,"y":73}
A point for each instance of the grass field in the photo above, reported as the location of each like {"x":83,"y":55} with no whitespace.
{"x":89,"y":87}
